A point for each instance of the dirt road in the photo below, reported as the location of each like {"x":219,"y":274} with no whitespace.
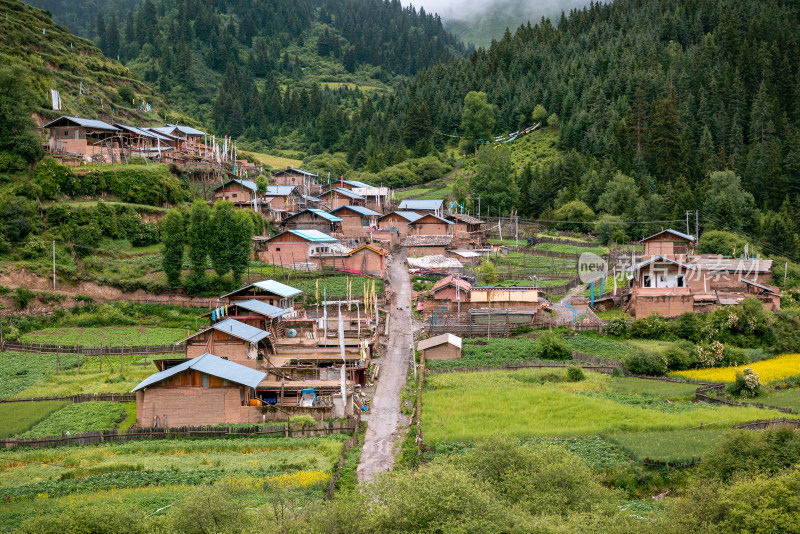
{"x":385,"y":417}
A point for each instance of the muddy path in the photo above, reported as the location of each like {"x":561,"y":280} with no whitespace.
{"x":385,"y":418}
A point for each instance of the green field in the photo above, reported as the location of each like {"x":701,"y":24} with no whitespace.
{"x":569,"y":249}
{"x":78,"y":418}
{"x":782,"y":398}
{"x":19,"y":371}
{"x":414,"y":192}
{"x":144,"y":476}
{"x":114,"y":336}
{"x":18,"y":417}
{"x":670,"y":446}
{"x":469,"y":406}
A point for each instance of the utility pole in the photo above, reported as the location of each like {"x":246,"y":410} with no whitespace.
{"x":479,"y":205}
{"x":696,"y":227}
{"x":54,"y":264}
{"x":687,"y":221}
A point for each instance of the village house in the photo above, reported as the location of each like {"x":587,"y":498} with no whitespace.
{"x":456,"y":290}
{"x":357,"y":221}
{"x":189,"y":139}
{"x":242,"y":193}
{"x":89,"y":139}
{"x":672,"y":279}
{"x":206,"y":390}
{"x":337,"y":197}
{"x":430,"y":224}
{"x":280,"y":201}
{"x":441,"y":347}
{"x":427,"y":245}
{"x":295,"y":177}
{"x":375,"y":198}
{"x":397,"y":221}
{"x":452,"y":289}
{"x":313,"y":219}
{"x":268,"y":291}
{"x":367,"y":259}
{"x":296,"y":248}
{"x":468,"y":229}
{"x":252,"y":312}
{"x":435,"y":206}
{"x":135,"y":141}
{"x":230,"y":339}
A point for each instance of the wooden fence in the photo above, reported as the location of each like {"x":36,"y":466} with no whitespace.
{"x":134,"y":350}
{"x":99,"y":397}
{"x":117,"y":436}
{"x":703,"y":395}
{"x":351,"y":442}
{"x":770,"y":423}
{"x":585,"y":361}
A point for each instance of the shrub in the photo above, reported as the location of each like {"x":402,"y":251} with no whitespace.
{"x":747,"y":384}
{"x":688,"y":326}
{"x":552,"y":347}
{"x":681,"y":356}
{"x":303,"y":421}
{"x":23,"y":297}
{"x":575,"y":373}
{"x":11,"y":162}
{"x":617,"y":327}
{"x":654,"y":326}
{"x":642,"y":362}
{"x":126,"y":95}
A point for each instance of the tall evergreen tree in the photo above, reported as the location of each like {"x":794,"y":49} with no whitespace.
{"x":172,"y":235}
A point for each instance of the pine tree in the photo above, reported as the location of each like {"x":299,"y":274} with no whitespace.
{"x":666,"y":151}
{"x":199,"y":238}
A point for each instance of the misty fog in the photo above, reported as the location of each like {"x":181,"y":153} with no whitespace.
{"x":470,"y":9}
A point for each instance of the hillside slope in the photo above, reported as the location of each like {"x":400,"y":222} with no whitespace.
{"x":88,"y":82}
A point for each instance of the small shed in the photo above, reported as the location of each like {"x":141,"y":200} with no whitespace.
{"x":442,"y":347}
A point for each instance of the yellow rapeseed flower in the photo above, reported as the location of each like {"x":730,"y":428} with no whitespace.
{"x":772,"y":370}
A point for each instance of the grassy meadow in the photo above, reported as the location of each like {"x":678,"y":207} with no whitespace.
{"x":106,"y":336}
{"x":539,"y":402}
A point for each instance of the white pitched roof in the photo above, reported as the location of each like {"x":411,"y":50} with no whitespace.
{"x":439,"y":340}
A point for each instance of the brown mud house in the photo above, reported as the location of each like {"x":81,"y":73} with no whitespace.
{"x":242,"y":193}
{"x":313,"y":219}
{"x":358,"y":222}
{"x":435,"y":206}
{"x":468,"y":229}
{"x":672,"y":279}
{"x":441,"y":347}
{"x":430,"y":224}
{"x":375,"y":198}
{"x":255,"y":313}
{"x":231,"y":339}
{"x":297,"y":248}
{"x":280,"y":201}
{"x":367,"y":259}
{"x":295,"y":177}
{"x":206,"y":390}
{"x":267,"y":291}
{"x":457,"y":293}
{"x":397,"y":221}
{"x":452,"y":289}
{"x":142,"y":142}
{"x":427,"y":245}
{"x":90,"y":139}
{"x":337,"y":197}
{"x":189,"y":139}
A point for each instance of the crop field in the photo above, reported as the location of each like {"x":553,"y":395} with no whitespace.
{"x":106,"y":336}
{"x":782,"y":398}
{"x":522,"y":265}
{"x":469,"y":406}
{"x":478,"y":352}
{"x":336,"y":286}
{"x":772,"y":370}
{"x":78,"y":418}
{"x":569,"y":249}
{"x":670,"y":445}
{"x":89,"y":378}
{"x":19,"y":371}
{"x":148,"y":475}
{"x":18,"y":417}
{"x":408,"y":193}
{"x":656,"y":388}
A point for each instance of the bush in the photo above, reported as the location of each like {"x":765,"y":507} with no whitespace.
{"x":681,"y":356}
{"x":11,"y":162}
{"x":746,"y":384}
{"x":303,"y":421}
{"x":617,"y":327}
{"x":575,"y":374}
{"x":688,"y":326}
{"x":654,"y":326}
{"x":552,"y":347}
{"x":52,"y":178}
{"x":23,"y":297}
{"x":642,"y":362}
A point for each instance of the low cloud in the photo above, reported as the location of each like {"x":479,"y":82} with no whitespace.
{"x":471,"y":9}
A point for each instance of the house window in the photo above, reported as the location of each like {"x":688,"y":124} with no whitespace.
{"x":233,"y":195}
{"x":364,"y":221}
{"x":680,"y":281}
{"x":205,"y":380}
{"x":647,"y":281}
{"x":277,"y":249}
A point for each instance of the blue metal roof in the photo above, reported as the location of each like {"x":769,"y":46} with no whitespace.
{"x":673,"y":232}
{"x":188,"y":130}
{"x":271,"y":286}
{"x":410,"y":216}
{"x":85,"y":123}
{"x":292,"y":169}
{"x":347,"y":193}
{"x":364,"y":212}
{"x":262,"y":308}
{"x":356,"y":183}
{"x":309,"y":198}
{"x":427,"y":205}
{"x":325,"y":215}
{"x":241,"y":330}
{"x":314,"y":235}
{"x":279,"y":190}
{"x":210,"y":365}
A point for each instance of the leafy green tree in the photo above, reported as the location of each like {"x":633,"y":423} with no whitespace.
{"x":199,"y":239}
{"x":494,"y":180}
{"x":574,"y":212}
{"x":52,"y":178}
{"x":241,"y":243}
{"x":620,"y":197}
{"x":477,"y":119}
{"x":539,"y":113}
{"x":262,"y":185}
{"x":231,"y":240}
{"x":488,"y":272}
{"x":17,"y":129}
{"x":172,"y":235}
{"x":729,"y":206}
{"x":611,"y":228}
{"x":461,"y":189}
